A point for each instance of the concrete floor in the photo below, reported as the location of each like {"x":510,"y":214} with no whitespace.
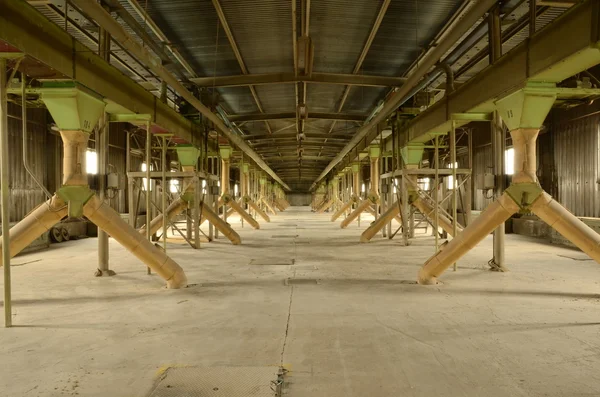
{"x":364,"y":330}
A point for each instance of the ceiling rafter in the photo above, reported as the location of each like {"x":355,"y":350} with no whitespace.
{"x":363,"y":54}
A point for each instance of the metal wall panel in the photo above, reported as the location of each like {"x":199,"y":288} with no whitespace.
{"x":25,"y":194}
{"x":568,"y":161}
{"x":483,"y":162}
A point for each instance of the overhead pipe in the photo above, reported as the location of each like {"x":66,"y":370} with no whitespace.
{"x":400,"y":96}
{"x":119,"y":34}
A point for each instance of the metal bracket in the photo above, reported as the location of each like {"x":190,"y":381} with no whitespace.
{"x":524,"y":194}
{"x":76,"y":197}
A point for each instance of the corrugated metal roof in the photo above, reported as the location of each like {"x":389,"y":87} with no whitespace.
{"x":192,"y":27}
{"x":263,"y":33}
{"x":277,"y":98}
{"x":339,"y":30}
{"x":407,"y":28}
{"x":363,"y":99}
{"x":237,"y":100}
{"x":323,"y":97}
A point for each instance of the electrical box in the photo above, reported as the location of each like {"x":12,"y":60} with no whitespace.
{"x":115,"y":181}
{"x":214,"y":190}
{"x":486,"y":181}
{"x":384,"y":189}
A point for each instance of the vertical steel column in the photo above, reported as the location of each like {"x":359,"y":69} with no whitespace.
{"x":454,"y":180}
{"x":164,"y":190}
{"x":498,"y":143}
{"x":404,"y":206}
{"x":148,"y":182}
{"x":5,"y":195}
{"x":436,"y":194}
{"x":217,"y":167}
{"x":102,"y":148}
{"x":197,"y":189}
{"x":130,"y":203}
{"x":495,"y":45}
{"x":102,"y":153}
{"x":209,"y":184}
{"x":469,"y":183}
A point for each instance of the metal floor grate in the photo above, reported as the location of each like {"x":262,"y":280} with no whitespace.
{"x":272,"y":262}
{"x":216,"y":381}
{"x":301,"y":281}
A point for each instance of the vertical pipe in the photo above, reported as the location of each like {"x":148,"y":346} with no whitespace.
{"x":436,"y":184}
{"x":209,"y":183}
{"x":404,"y":206}
{"x":148,"y":182}
{"x":5,"y":197}
{"x":454,"y":181}
{"x":102,"y":158}
{"x":217,"y":168}
{"x":225,"y":184}
{"x":164,"y":191}
{"x":197,"y":213}
{"x":469,"y":188}
{"x":499,"y":143}
{"x":130,"y":202}
{"x":102,"y":154}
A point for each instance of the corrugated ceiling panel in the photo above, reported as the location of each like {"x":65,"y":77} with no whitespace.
{"x":407,"y":28}
{"x":323,"y":97}
{"x":363,"y":99}
{"x":263,"y":33}
{"x":192,"y":26}
{"x":339,"y":30}
{"x":277,"y":98}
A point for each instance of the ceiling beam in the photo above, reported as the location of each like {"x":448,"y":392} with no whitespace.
{"x":118,"y":32}
{"x":285,"y":78}
{"x":237,"y":118}
{"x":161,"y":36}
{"x":238,"y":56}
{"x":363,"y":54}
{"x":295,"y":158}
{"x":310,"y":135}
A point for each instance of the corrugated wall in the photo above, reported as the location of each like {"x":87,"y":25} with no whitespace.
{"x":25,"y":194}
{"x":569,"y":159}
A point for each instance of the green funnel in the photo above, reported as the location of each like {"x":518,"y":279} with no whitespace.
{"x":72,"y":106}
{"x":188,"y":155}
{"x":528,"y":107}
